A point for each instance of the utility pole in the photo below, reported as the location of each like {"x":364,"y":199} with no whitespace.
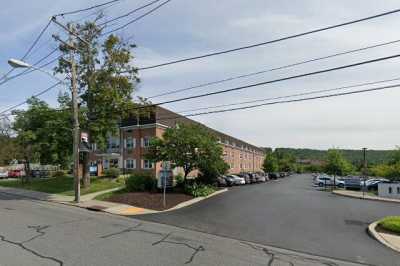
{"x":76,"y":140}
{"x":75,"y":108}
{"x":364,"y":170}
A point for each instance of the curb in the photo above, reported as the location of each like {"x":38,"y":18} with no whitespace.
{"x":366,"y":198}
{"x":372,"y":232}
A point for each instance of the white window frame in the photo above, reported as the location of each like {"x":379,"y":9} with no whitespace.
{"x":127,"y":166}
{"x":133,"y":143}
{"x":151,"y":166}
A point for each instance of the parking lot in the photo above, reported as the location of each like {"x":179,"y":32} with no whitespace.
{"x":292,"y":214}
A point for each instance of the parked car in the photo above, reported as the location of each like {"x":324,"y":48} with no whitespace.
{"x":261,"y":178}
{"x":238,"y":180}
{"x":325,"y":180}
{"x":16,"y":173}
{"x":372,"y":184}
{"x":221,"y":181}
{"x":273,"y":175}
{"x":230,"y":181}
{"x":352,"y":182}
{"x":3,"y":174}
{"x":247,"y":177}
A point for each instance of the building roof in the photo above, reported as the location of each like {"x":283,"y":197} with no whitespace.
{"x":170,"y":119}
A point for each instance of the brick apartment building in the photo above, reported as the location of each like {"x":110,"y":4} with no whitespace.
{"x":127,"y":150}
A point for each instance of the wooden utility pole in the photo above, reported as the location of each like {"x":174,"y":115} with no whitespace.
{"x":75,"y":107}
{"x":76,"y":139}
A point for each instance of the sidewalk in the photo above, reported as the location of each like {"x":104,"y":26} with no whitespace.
{"x":390,"y":240}
{"x":88,"y":201}
{"x":359,"y":195}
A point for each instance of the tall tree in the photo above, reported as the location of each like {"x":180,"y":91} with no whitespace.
{"x":106,"y":80}
{"x":270,"y":163}
{"x":9,"y":148}
{"x":336,"y":164}
{"x":188,"y":146}
{"x":44,"y":132}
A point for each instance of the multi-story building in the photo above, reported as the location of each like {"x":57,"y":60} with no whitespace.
{"x":127,"y":150}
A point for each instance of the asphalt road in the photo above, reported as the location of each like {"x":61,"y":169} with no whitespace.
{"x":41,"y":233}
{"x":290,"y":213}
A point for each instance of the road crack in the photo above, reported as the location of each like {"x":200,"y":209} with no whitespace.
{"x":164,"y":239}
{"x":31,"y":251}
{"x":277,"y":256}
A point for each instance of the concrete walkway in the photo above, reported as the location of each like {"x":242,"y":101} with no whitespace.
{"x":359,"y":195}
{"x":390,"y":240}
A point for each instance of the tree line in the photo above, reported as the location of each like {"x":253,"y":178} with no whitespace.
{"x":333,"y":162}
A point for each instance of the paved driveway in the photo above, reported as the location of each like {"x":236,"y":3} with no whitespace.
{"x":292,"y":214}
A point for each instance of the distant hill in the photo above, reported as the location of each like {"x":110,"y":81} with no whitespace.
{"x":354,"y":156}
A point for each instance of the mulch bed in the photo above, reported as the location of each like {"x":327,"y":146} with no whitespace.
{"x":148,"y":200}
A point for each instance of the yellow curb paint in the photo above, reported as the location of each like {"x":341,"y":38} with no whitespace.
{"x":132,"y":210}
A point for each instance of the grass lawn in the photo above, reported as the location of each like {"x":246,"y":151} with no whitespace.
{"x":62,"y":185}
{"x":391,"y":223}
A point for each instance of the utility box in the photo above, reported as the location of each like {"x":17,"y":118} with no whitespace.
{"x":389,"y":190}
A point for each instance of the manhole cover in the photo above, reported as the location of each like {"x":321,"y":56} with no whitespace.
{"x":96,"y":208}
{"x":355,"y":222}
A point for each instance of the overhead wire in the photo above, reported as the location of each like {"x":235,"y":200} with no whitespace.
{"x":272,"y":69}
{"x":279,"y":80}
{"x":136,"y":19}
{"x":271,"y":41}
{"x":292,"y":95}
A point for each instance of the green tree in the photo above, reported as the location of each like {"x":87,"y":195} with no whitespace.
{"x":10,"y":149}
{"x":188,"y":146}
{"x":270,"y":163}
{"x":336,"y":164}
{"x":44,"y":132}
{"x":106,"y":83}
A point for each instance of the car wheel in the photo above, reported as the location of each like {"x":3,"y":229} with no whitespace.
{"x":320,"y":184}
{"x":341,"y":185}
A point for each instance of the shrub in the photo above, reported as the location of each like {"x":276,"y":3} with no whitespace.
{"x":180,"y":181}
{"x":112,"y":173}
{"x":58,"y":174}
{"x":197,"y":190}
{"x":140,"y":182}
{"x":391,"y":223}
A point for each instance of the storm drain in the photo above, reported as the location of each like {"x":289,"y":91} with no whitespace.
{"x":355,"y":222}
{"x":96,"y":208}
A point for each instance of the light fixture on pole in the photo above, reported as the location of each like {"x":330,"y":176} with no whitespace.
{"x":15,"y":63}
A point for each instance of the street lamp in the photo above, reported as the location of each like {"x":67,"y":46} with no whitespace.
{"x":15,"y":63}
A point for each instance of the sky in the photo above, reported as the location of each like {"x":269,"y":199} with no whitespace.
{"x":184,"y":28}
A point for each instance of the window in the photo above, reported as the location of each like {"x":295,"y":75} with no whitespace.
{"x":106,"y":164}
{"x":147,"y":164}
{"x":130,"y":164}
{"x":241,"y":155}
{"x":113,"y":143}
{"x":130,"y":143}
{"x":114,"y":163}
{"x":390,"y":190}
{"x":146,"y":142}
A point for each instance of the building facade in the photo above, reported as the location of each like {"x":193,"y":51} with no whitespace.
{"x":126,"y":151}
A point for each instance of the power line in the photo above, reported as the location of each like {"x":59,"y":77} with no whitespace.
{"x":86,"y":9}
{"x":282,"y":102}
{"x":138,"y":18}
{"x":279,"y":80}
{"x":292,"y":95}
{"x":271,"y":41}
{"x":30,"y":70}
{"x":273,"y":69}
{"x":129,"y":13}
{"x":29,"y":49}
{"x":35,"y":95}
